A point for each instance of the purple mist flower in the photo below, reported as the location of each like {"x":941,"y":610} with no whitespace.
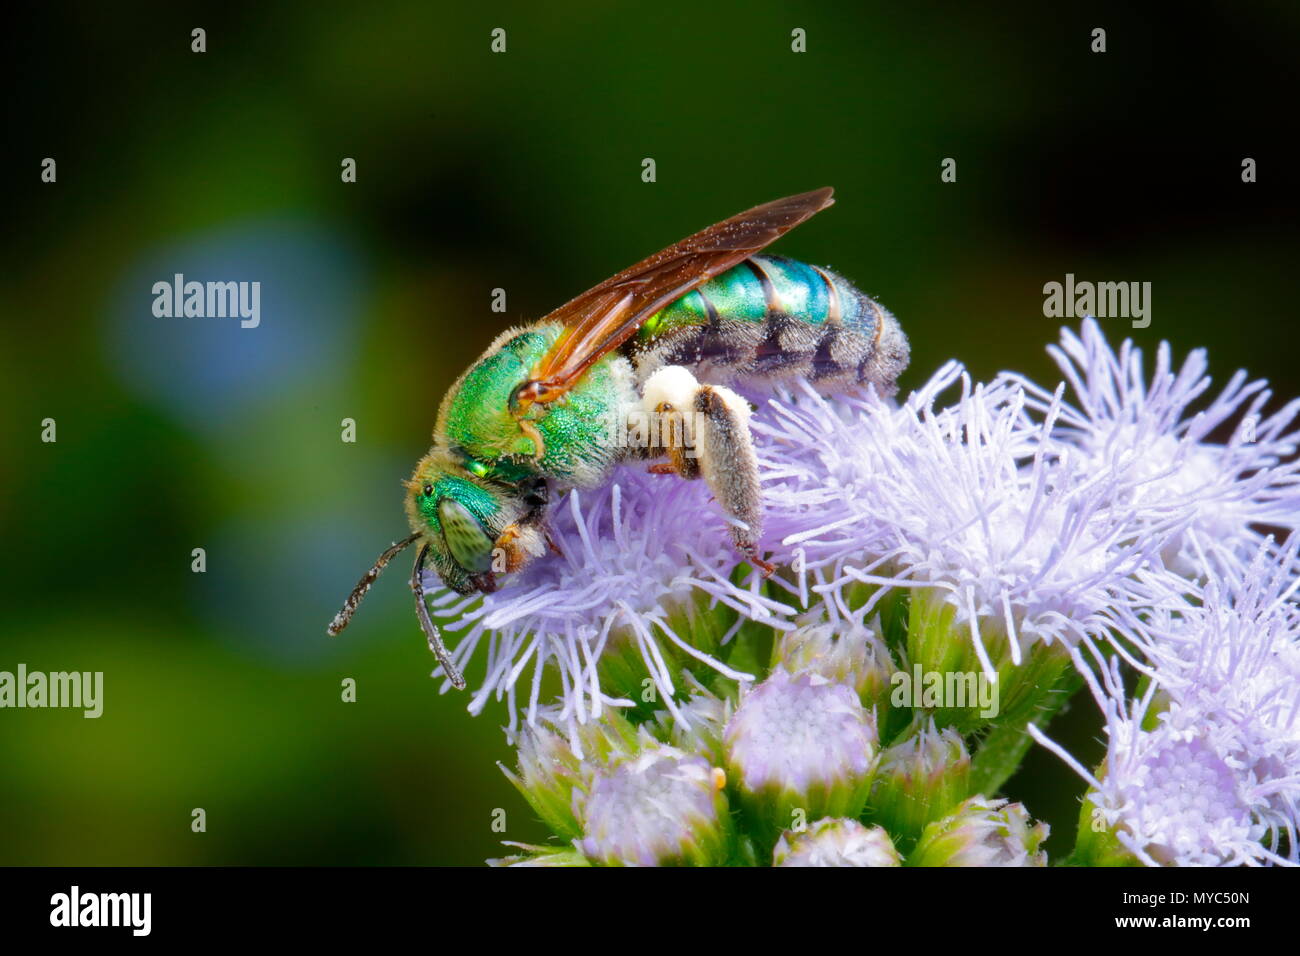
{"x":1172,"y":794}
{"x":974,"y":503}
{"x":1236,"y":469}
{"x":1204,"y":767}
{"x":634,"y":553}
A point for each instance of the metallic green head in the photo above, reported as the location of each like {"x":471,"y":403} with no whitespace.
{"x":476,"y":524}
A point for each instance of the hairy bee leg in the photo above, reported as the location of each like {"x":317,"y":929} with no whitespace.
{"x":520,"y":542}
{"x":507,"y":545}
{"x":705,"y":433}
{"x":729,"y":465}
{"x":430,"y":629}
{"x":678,"y":441}
{"x":528,"y":537}
{"x":349,"y":608}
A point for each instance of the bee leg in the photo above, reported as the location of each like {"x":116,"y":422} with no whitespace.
{"x":676,"y":443}
{"x":704,"y":430}
{"x":528,"y":537}
{"x":431,"y":632}
{"x":507,"y":555}
{"x":519,"y":543}
{"x":726,"y":459}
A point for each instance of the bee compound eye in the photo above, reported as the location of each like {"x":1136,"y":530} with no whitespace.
{"x":465,"y":536}
{"x":428,"y":491}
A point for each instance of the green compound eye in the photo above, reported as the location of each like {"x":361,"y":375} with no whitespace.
{"x":468,"y":543}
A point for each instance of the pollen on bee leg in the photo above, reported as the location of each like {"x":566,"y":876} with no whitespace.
{"x":672,"y":384}
{"x":520,"y":543}
{"x":665,"y":399}
{"x":505,"y":543}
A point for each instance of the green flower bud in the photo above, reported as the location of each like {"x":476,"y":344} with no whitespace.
{"x":697,"y":621}
{"x":922,"y":779}
{"x":699,"y":728}
{"x":949,"y":681}
{"x":662,"y":807}
{"x":982,"y":832}
{"x":799,"y":748}
{"x":551,"y":773}
{"x":836,"y":842}
{"x":856,"y":656}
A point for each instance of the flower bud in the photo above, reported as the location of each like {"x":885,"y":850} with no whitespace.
{"x":661,"y":807}
{"x":836,"y":842}
{"x":799,"y":748}
{"x":696,"y":621}
{"x":941,"y":647}
{"x":855,"y":656}
{"x":551,"y":773}
{"x":922,"y":779}
{"x":698,"y":726}
{"x":982,"y":832}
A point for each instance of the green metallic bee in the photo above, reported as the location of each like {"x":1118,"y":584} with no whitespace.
{"x":557,"y":404}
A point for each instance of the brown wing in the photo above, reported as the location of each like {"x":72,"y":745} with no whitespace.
{"x":603,"y":318}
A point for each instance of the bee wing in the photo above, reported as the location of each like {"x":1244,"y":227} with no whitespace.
{"x":603,"y":318}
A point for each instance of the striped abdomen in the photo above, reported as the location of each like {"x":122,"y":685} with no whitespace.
{"x":772,"y":318}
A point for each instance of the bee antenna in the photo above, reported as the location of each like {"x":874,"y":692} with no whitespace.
{"x":350,"y":605}
{"x":430,"y":629}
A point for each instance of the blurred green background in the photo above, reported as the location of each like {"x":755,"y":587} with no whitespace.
{"x":519,"y":170}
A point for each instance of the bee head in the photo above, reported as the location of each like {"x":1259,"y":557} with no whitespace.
{"x":461,"y":515}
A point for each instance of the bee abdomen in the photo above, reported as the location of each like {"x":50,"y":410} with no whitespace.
{"x":770,"y":319}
